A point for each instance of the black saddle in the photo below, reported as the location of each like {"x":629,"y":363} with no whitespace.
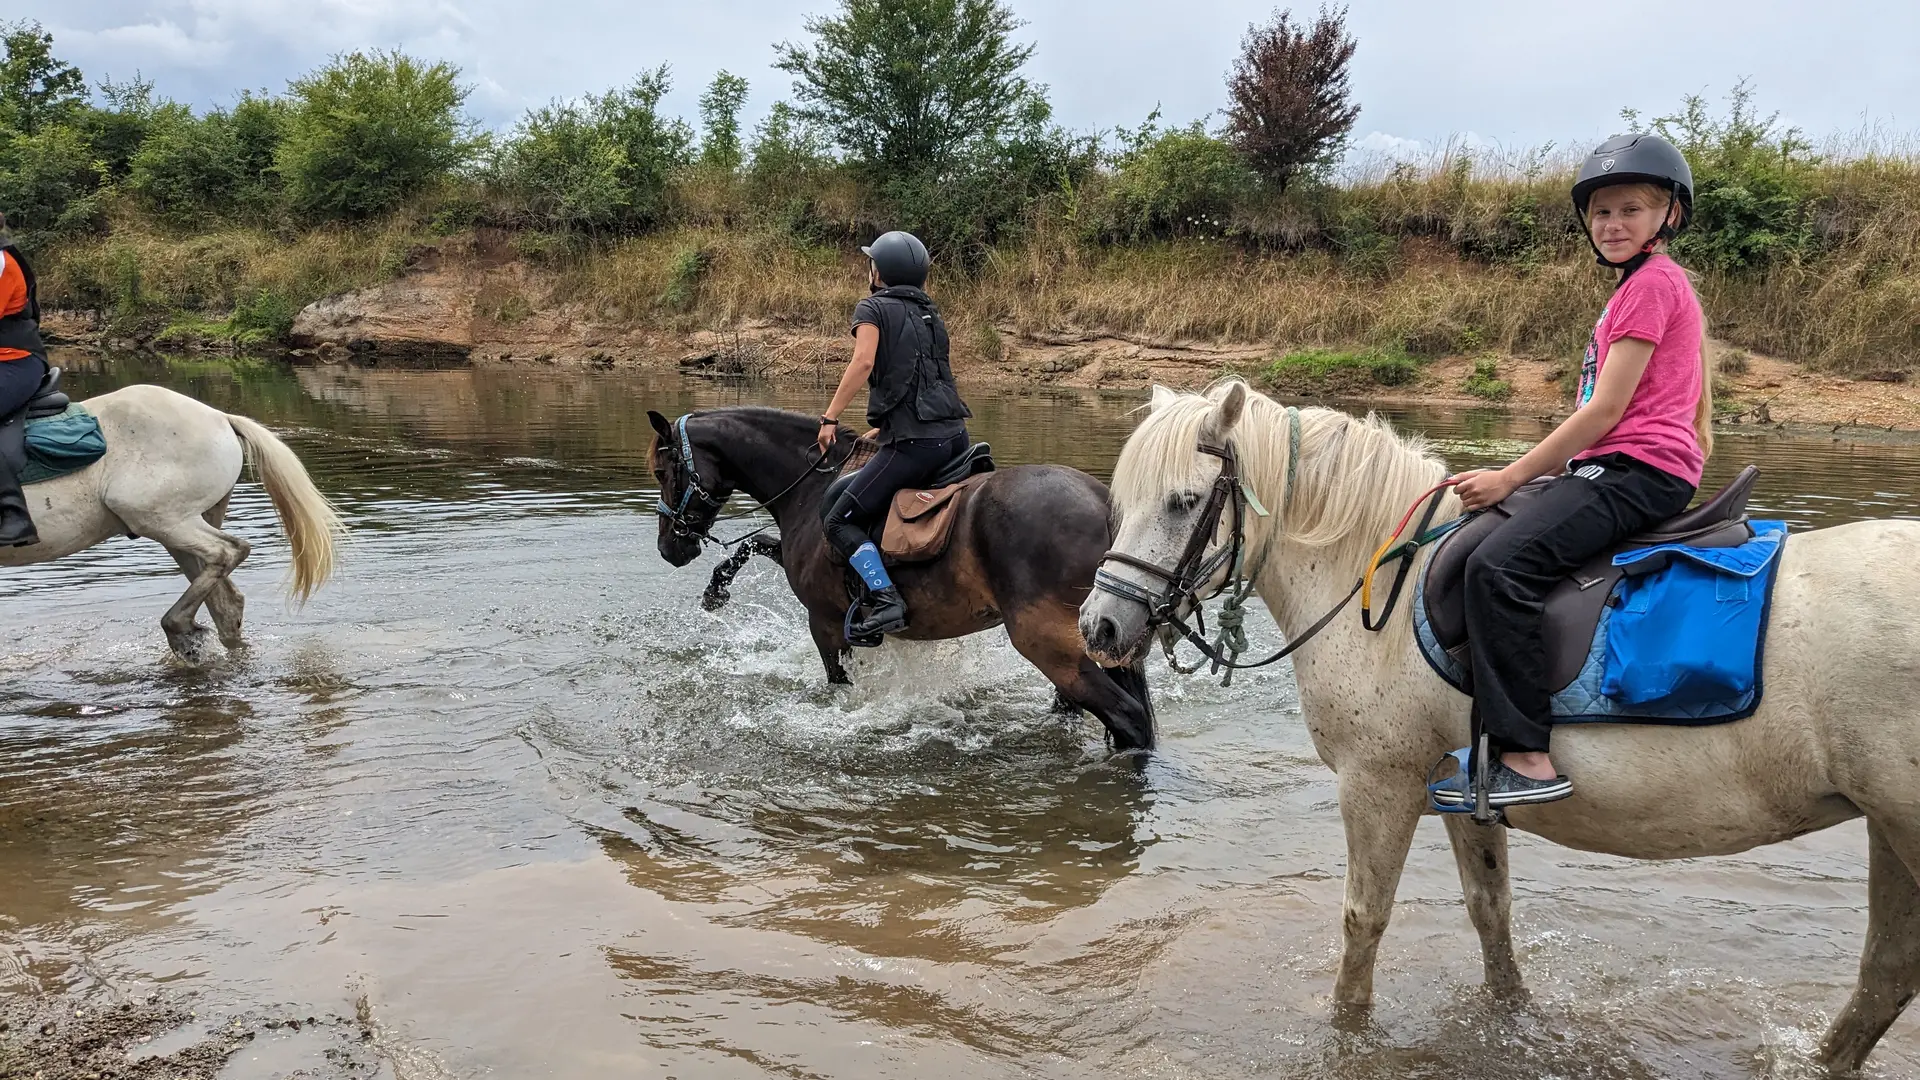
{"x":976,"y":459}
{"x":46,"y":401}
{"x":1574,"y":606}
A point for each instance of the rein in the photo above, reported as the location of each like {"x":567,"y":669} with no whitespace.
{"x":1190,"y":574}
{"x":683,"y":525}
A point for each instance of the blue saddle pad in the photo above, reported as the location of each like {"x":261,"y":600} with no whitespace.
{"x":1680,"y":641}
{"x":63,"y":443}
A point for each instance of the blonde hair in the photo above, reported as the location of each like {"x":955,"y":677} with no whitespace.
{"x":1703,"y":409}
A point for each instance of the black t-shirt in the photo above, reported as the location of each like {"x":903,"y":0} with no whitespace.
{"x":895,"y":360}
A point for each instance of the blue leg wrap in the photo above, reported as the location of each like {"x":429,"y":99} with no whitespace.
{"x":866,"y":562}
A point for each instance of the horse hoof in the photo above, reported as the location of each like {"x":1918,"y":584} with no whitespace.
{"x":194,"y":647}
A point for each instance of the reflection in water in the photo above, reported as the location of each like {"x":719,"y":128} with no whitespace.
{"x":508,"y":781}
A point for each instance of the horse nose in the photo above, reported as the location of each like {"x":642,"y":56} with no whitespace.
{"x":1103,"y":635}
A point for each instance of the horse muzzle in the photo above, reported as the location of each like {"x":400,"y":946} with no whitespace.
{"x":1116,"y":634}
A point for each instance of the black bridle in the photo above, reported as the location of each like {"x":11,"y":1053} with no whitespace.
{"x":690,"y":490}
{"x":1187,"y":577}
{"x":1195,"y":567}
{"x":683,"y":523}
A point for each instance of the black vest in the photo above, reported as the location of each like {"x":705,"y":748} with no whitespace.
{"x":911,"y":391}
{"x":21,"y":330}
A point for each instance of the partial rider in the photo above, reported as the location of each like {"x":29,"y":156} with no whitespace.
{"x":900,"y":352}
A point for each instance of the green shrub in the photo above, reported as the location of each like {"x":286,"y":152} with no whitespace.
{"x":1335,"y":370}
{"x":1485,"y":382}
{"x":601,"y":164}
{"x":263,"y":316}
{"x":187,"y":169}
{"x":683,"y":279}
{"x":369,"y":130}
{"x":1753,"y":185}
{"x":1177,"y":182}
{"x":49,"y":184}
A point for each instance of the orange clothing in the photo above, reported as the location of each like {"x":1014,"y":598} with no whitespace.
{"x":13,"y":297}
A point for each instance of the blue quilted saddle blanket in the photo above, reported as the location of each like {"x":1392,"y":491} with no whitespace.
{"x":65,"y":442}
{"x":1680,"y":639}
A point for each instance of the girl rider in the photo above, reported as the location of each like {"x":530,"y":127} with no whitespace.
{"x":900,"y":352}
{"x":1631,"y":453}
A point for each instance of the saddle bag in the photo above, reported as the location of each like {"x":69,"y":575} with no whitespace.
{"x":1688,"y":623}
{"x":921,"y":523}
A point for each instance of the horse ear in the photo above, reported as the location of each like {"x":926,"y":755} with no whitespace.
{"x":661,"y":425}
{"x":1228,"y":412}
{"x":1162,"y":397}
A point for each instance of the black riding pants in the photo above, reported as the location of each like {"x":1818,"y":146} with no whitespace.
{"x":18,"y":380}
{"x":1602,"y":502}
{"x":902,"y":463}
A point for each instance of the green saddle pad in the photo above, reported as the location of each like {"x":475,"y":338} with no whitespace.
{"x":63,"y":443}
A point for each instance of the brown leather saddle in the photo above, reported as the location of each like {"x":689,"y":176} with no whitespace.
{"x":1574,"y":606}
{"x":919,"y":524}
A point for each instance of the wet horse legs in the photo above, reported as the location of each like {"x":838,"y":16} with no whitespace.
{"x":206,"y":555}
{"x":1481,"y":854}
{"x":1890,"y":963}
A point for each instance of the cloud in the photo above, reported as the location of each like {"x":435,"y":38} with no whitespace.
{"x":1514,"y":71}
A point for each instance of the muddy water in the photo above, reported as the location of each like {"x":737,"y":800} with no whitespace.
{"x":508,"y":795}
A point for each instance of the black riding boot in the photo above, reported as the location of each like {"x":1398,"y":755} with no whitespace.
{"x":883,"y":613}
{"x":16,"y":525}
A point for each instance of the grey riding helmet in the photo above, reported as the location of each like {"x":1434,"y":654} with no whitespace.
{"x":899,"y":258}
{"x":1636,"y":159}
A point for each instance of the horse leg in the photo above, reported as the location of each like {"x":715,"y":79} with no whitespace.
{"x":826,"y":637}
{"x":207,"y":555}
{"x":1048,"y":635}
{"x":1379,"y":810}
{"x":1481,"y":854}
{"x":1890,"y":963}
{"x":225,"y":603}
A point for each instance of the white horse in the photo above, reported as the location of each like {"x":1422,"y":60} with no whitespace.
{"x":1837,"y":736}
{"x":170,"y":466}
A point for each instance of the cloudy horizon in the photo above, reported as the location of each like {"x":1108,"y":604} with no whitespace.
{"x":1497,"y":74}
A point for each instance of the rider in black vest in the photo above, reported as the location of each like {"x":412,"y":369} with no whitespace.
{"x":900,"y":352}
{"x":23,"y":363}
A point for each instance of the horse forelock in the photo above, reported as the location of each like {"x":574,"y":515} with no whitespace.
{"x":1353,"y":479}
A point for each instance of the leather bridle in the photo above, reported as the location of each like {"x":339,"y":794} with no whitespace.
{"x":1187,"y":577}
{"x":690,"y":490}
{"x":1195,"y":568}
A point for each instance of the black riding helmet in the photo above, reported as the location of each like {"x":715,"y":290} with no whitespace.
{"x":899,"y":258}
{"x":1635,"y":159}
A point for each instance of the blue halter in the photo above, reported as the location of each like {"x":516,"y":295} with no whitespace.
{"x":690,"y":478}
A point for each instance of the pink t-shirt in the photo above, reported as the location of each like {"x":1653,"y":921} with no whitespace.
{"x":1656,"y":304}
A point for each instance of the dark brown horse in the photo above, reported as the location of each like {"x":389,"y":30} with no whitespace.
{"x":1024,"y":550}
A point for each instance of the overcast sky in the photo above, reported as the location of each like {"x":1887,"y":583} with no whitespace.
{"x":1510,"y":73}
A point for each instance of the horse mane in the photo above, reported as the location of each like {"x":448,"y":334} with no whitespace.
{"x":1354,"y":479}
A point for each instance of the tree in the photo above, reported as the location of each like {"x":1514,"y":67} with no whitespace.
{"x":35,"y":88}
{"x":1289,"y":104}
{"x":370,"y":129}
{"x":905,"y":85}
{"x":720,"y":122}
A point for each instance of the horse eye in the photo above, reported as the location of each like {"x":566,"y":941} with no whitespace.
{"x":1182,"y":502}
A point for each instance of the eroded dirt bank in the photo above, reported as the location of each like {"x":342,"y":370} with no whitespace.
{"x":485,"y":307}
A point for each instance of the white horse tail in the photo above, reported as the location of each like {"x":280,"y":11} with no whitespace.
{"x":309,"y":519}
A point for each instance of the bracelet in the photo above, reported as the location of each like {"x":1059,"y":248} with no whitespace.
{"x":828,"y":421}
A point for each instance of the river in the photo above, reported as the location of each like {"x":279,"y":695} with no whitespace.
{"x":504,"y":793}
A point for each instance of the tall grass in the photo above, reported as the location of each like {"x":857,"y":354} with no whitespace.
{"x":1458,"y":254}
